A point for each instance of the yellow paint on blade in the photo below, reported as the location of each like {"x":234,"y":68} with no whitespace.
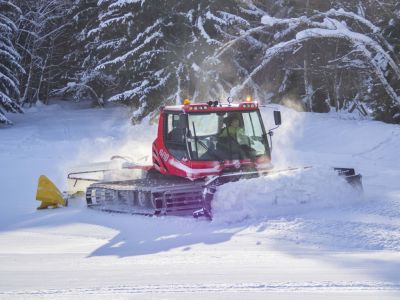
{"x":49,"y":194}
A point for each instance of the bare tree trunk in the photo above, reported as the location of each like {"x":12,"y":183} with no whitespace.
{"x":28,"y":84}
{"x":308,"y":89}
{"x":335,"y":81}
{"x":43,"y":67}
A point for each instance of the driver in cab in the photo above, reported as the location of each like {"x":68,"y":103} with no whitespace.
{"x":233,"y":130}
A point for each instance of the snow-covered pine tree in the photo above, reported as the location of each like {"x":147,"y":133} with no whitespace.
{"x":215,"y":25}
{"x":389,"y":19}
{"x":392,"y":29}
{"x":151,"y":53}
{"x":379,"y":91}
{"x":79,"y":79}
{"x":130,"y":50}
{"x":350,"y":60}
{"x":103,"y":31}
{"x":239,"y":53}
{"x":10,"y":67}
{"x":41,"y":37}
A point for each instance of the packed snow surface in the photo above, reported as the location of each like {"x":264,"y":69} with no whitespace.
{"x":304,"y":233}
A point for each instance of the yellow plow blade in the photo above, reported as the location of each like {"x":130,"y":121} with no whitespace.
{"x":49,"y":194}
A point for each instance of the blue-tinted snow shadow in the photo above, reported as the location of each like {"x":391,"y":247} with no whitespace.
{"x":135,"y":235}
{"x":140,"y":235}
{"x":318,"y":235}
{"x":161,"y":240}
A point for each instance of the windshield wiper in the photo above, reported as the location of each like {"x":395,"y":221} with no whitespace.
{"x":195,"y":140}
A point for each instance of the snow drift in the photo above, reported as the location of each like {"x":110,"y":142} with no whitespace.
{"x":283,"y":194}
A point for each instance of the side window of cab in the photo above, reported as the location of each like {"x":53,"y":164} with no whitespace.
{"x":174,"y":136}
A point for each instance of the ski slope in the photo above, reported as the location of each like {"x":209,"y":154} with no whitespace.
{"x":306,"y":234}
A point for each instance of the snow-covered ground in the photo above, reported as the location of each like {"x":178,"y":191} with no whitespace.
{"x":304,"y":234}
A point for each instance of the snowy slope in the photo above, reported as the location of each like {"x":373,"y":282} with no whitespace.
{"x":305,"y":233}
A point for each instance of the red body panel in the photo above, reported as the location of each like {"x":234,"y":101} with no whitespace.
{"x":166,"y":163}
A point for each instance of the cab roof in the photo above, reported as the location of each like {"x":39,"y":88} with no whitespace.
{"x":205,"y":107}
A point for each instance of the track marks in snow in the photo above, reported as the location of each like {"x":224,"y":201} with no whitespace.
{"x":198,"y":288}
{"x":379,"y":151}
{"x":336,"y":235}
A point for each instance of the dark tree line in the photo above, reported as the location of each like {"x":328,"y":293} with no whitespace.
{"x":10,"y":68}
{"x":318,"y":55}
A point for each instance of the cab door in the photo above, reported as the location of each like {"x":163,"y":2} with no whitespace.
{"x":175,"y":134}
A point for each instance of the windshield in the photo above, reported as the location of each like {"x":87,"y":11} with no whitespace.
{"x":226,"y":136}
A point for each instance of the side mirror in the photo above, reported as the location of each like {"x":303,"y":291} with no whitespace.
{"x":277,"y":117}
